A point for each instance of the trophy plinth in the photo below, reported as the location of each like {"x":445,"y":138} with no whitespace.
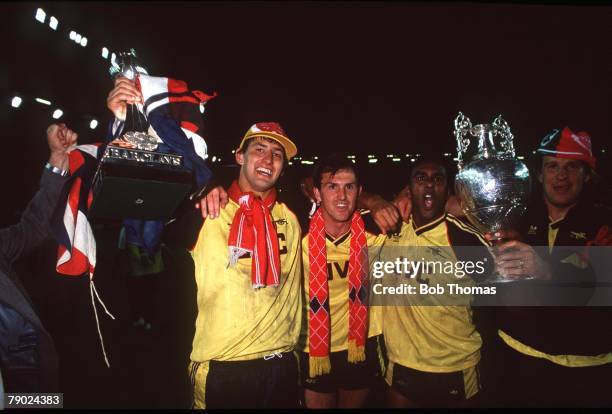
{"x":492,"y":184}
{"x":138,"y":184}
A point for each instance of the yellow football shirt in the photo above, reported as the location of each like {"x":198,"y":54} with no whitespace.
{"x":338,"y":253}
{"x":435,"y":338}
{"x":236,"y":322}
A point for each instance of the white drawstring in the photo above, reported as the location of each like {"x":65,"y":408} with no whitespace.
{"x":92,"y":289}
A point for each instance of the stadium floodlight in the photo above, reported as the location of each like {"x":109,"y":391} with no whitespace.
{"x":214,"y":158}
{"x":77,"y":38}
{"x":16,"y":102}
{"x":412,"y":159}
{"x":57,"y":114}
{"x":83,"y":41}
{"x":93,"y":124}
{"x":395,"y":159}
{"x":373,"y":160}
{"x":40,"y":15}
{"x":113,"y":58}
{"x":53,"y":23}
{"x":72,"y":35}
{"x":104,"y":52}
{"x":43,"y":101}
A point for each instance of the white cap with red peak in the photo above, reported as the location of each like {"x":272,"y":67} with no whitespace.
{"x":271,"y":130}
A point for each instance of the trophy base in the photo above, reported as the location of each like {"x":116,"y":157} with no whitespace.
{"x":496,"y":278}
{"x":134,"y":184}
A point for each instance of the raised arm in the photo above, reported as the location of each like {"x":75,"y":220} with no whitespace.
{"x":385,"y":214}
{"x":33,"y":227}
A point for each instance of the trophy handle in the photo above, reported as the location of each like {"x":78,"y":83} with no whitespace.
{"x":127,"y":65}
{"x":462,"y":126}
{"x":507,"y":144}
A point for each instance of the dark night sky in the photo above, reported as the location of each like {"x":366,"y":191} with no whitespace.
{"x":353,"y":77}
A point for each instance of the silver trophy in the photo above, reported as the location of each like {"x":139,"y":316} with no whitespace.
{"x":136,"y":124}
{"x":137,"y":179}
{"x":492,"y":184}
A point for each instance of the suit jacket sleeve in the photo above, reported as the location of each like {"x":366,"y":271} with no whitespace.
{"x":34,"y":225}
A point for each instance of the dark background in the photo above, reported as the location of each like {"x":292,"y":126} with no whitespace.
{"x":354,"y":77}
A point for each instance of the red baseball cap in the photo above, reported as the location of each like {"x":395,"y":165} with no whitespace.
{"x":567,"y":144}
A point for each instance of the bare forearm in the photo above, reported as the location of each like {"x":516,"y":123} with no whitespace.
{"x":385,"y":214}
{"x":369,"y":201}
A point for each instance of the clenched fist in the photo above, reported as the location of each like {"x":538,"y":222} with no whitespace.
{"x":61,"y":140}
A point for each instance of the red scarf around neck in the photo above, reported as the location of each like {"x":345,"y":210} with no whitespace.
{"x":253,"y":231}
{"x":319,"y":315}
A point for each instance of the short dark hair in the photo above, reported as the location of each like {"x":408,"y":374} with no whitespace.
{"x":332,"y":164}
{"x":434,"y":159}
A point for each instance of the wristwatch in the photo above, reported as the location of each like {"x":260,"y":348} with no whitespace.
{"x":56,"y":170}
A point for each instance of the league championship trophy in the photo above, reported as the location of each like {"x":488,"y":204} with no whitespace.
{"x":134,"y":179}
{"x":492,"y":184}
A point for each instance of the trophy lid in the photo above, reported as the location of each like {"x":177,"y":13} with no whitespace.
{"x":126,"y":65}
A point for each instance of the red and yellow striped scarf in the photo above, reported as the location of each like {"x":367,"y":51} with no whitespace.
{"x":319,"y":315}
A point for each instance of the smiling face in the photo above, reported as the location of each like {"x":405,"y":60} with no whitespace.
{"x":429,"y":189}
{"x":563,"y":180}
{"x":338,"y":196}
{"x":261,"y":163}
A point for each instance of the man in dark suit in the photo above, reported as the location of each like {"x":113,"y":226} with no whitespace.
{"x":28,"y":358}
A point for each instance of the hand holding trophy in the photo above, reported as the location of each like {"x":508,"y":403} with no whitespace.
{"x":492,"y":184}
{"x":136,"y":124}
{"x":135,"y":179}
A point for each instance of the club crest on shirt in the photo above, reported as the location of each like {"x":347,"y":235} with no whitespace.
{"x":578,"y":235}
{"x":435,"y":251}
{"x":532,"y":229}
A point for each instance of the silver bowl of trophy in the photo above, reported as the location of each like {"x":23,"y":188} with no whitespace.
{"x":492,"y":183}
